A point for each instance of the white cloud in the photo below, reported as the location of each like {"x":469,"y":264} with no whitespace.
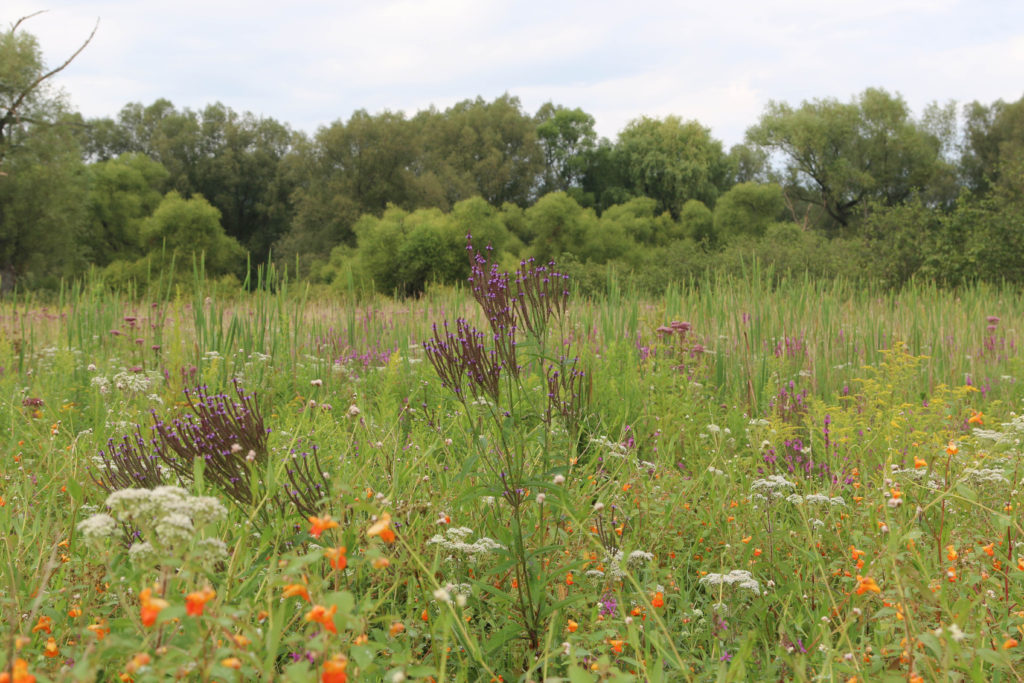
{"x":314,"y":62}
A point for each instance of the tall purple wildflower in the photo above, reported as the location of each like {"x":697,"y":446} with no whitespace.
{"x":228,"y":435}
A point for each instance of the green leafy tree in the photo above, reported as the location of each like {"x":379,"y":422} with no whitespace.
{"x":486,"y":224}
{"x":42,"y":209}
{"x":748,"y":209}
{"x":242,"y":170}
{"x":840,"y":156}
{"x":350,"y":169}
{"x":402,"y":252}
{"x":993,"y":139}
{"x":900,"y":238}
{"x":672,"y":161}
{"x":42,"y":184}
{"x":189,"y":228}
{"x":749,"y":163}
{"x":559,"y":224}
{"x":123,"y":192}
{"x":641,"y":222}
{"x":26,"y":102}
{"x":482,"y":148}
{"x":698,"y":223}
{"x":604,"y":182}
{"x":566,"y":137}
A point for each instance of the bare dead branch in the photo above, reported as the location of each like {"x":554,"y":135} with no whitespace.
{"x":13,"y":109}
{"x":26,"y":18}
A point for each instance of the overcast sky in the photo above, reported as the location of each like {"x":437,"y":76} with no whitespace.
{"x":308,"y":63}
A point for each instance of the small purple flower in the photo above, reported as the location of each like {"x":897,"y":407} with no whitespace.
{"x":609,"y":605}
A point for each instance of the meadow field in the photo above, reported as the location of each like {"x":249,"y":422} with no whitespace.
{"x":748,"y":479}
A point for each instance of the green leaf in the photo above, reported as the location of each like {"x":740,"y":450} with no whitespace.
{"x":362,"y":655}
{"x":994,"y":658}
{"x":496,"y":643}
{"x":578,"y":675}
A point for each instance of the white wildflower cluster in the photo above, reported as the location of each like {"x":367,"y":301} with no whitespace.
{"x":613,"y":564}
{"x":131,"y":382}
{"x":740,"y":578}
{"x":715,"y":430}
{"x":126,"y":382}
{"x":638,"y":558}
{"x":168,"y":516}
{"x":985,"y":475}
{"x":815,"y":499}
{"x":460,"y":592}
{"x":454,"y":541}
{"x":101,"y":383}
{"x":775,"y":486}
{"x":955,"y":632}
{"x":97,"y":527}
{"x":481,"y":401}
{"x":715,"y":471}
{"x":1010,"y":435}
{"x":908,"y":473}
{"x":615,"y":450}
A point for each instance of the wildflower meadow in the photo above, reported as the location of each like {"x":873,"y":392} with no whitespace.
{"x":749,"y":478}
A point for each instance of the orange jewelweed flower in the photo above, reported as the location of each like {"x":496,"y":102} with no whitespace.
{"x":150,"y":606}
{"x":19,"y":673}
{"x":658,"y":600}
{"x":396,"y":628}
{"x":865,"y":584}
{"x":195,"y":602}
{"x":334,"y":670}
{"x":75,"y":611}
{"x":1010,"y":643}
{"x":381,"y":563}
{"x":318,"y":525}
{"x":757,"y":552}
{"x":951,"y":574}
{"x":951,"y":553}
{"x":952,"y":449}
{"x":424,"y":615}
{"x":232,"y":663}
{"x":337,"y":557}
{"x":140,"y":660}
{"x":51,"y":649}
{"x":382,"y":528}
{"x":572,"y":626}
{"x":746,"y":539}
{"x":323,"y":616}
{"x":568,"y":579}
{"x":975,"y":418}
{"x":100,"y":630}
{"x":990,"y":549}
{"x":616,"y":645}
{"x":297,"y":589}
{"x":1020,"y":563}
{"x":44,"y":624}
{"x":919,"y":463}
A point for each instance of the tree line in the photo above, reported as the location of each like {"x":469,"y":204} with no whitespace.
{"x":861,"y":188}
